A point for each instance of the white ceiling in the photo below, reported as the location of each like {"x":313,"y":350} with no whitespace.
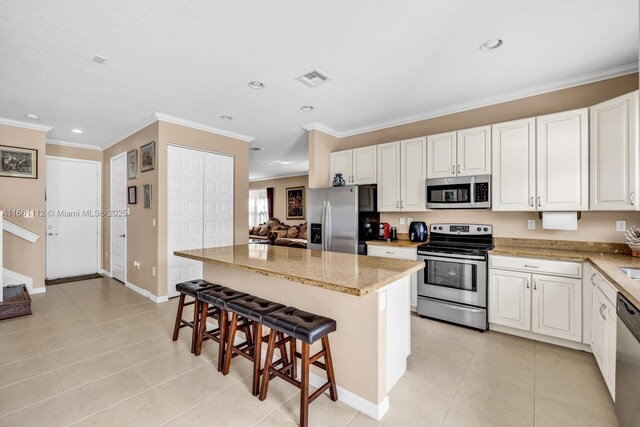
{"x":387,"y":59}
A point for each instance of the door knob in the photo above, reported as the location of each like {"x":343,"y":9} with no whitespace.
{"x":53,"y":234}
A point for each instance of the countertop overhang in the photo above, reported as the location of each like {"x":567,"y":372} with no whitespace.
{"x":346,"y":273}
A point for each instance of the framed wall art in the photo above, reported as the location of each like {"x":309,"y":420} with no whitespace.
{"x":146,"y":194}
{"x":132,"y":195}
{"x":148,"y":157}
{"x":295,"y":203}
{"x":16,"y":162}
{"x":132,"y":164}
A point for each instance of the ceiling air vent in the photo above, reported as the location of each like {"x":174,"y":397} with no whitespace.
{"x":313,"y":78}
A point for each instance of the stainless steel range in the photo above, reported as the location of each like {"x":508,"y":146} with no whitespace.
{"x":453,"y":284}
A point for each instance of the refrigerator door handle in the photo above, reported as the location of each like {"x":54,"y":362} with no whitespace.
{"x":323,"y":225}
{"x":328,"y":226}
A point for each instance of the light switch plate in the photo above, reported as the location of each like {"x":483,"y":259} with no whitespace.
{"x":409,"y":220}
{"x":531,"y":224}
{"x":402,"y":221}
{"x":621,"y":225}
{"x":153,"y":271}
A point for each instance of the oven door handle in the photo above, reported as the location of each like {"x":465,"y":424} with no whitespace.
{"x":467,"y":259}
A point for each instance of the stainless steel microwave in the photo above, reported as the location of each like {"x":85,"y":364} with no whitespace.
{"x":459,"y":192}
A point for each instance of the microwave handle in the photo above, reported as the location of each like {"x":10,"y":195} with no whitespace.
{"x":472,"y":201}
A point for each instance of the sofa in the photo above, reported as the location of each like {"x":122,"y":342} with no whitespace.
{"x":280,"y":234}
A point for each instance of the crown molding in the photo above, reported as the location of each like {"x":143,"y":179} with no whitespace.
{"x":150,"y":119}
{"x":73,"y":145}
{"x":200,"y":126}
{"x":26,"y":125}
{"x":484,"y":102}
{"x":278,"y":177}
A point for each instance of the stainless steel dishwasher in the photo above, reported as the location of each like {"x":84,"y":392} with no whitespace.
{"x":628,"y":364}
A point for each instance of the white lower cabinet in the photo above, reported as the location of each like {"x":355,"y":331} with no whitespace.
{"x":545,"y":304}
{"x":411,"y":254}
{"x":603,"y":330}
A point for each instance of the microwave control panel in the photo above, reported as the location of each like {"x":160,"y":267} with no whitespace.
{"x":482,"y":192}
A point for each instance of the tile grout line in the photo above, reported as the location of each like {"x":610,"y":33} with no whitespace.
{"x":444,"y":417}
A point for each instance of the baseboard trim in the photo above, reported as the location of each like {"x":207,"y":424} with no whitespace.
{"x":26,"y":280}
{"x":34,"y":291}
{"x":543,"y":338}
{"x":105,"y":273}
{"x":145,"y":293}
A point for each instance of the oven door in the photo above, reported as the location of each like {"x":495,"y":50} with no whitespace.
{"x":449,"y":193}
{"x":446,"y":277}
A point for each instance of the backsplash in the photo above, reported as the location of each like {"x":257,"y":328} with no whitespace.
{"x":592,"y":227}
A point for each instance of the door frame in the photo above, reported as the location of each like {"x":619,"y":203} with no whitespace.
{"x":233,"y":204}
{"x":126,"y":261}
{"x":98,"y":194}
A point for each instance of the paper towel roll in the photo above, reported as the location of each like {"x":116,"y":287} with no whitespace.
{"x":560,"y":220}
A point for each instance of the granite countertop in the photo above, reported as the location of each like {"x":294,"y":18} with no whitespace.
{"x":346,"y":273}
{"x":605,"y":258}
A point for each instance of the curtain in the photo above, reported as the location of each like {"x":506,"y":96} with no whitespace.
{"x":270,"y":202}
{"x":258,"y":213}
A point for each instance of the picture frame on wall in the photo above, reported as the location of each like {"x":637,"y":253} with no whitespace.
{"x":295,"y":203}
{"x":17,"y":162}
{"x":146,"y":194}
{"x":132,"y":195}
{"x":132,"y":164}
{"x":148,"y":157}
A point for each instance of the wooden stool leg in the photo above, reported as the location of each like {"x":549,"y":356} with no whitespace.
{"x":202,"y":326}
{"x":304,"y":387}
{"x":196,"y":322}
{"x":176,"y":328}
{"x":294,"y":361}
{"x":331,"y":376}
{"x":257,"y":352}
{"x":266,"y":375}
{"x":232,"y":337}
{"x":223,"y":335}
{"x":283,"y":349}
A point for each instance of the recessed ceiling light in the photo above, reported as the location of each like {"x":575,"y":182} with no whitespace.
{"x":256,"y":148}
{"x":32,"y":116}
{"x":256,"y":85}
{"x":76,"y":130}
{"x":307,"y":108}
{"x":99,"y":59}
{"x":491,"y":45}
{"x":226,"y":117}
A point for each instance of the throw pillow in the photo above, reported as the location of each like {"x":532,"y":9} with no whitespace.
{"x":282,"y":234}
{"x":264,"y":230}
{"x":303,"y":235}
{"x":292,"y":232}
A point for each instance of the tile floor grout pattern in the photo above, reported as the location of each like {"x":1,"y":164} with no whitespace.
{"x":97,"y":353}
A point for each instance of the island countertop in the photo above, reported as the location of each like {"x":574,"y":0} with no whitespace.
{"x":346,"y":273}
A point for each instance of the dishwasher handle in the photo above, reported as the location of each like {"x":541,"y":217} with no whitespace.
{"x":629,"y":315}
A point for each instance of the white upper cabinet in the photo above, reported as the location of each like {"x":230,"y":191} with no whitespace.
{"x":389,"y":177}
{"x":413,"y":165}
{"x":514,"y":165}
{"x":358,"y":166}
{"x":341,"y":162}
{"x":365,"y":165}
{"x":557,"y":307}
{"x":614,"y":150}
{"x":441,"y":155}
{"x":563,"y":161}
{"x":474,"y":151}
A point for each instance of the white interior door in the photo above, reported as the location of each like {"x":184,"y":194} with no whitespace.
{"x":73,"y":222}
{"x":119,"y":222}
{"x":218,"y":200}
{"x":185,"y":213}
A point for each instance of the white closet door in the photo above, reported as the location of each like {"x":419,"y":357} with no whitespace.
{"x":218,"y":200}
{"x":185,"y":213}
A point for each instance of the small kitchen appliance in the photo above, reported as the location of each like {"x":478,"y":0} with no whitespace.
{"x":384,"y":231}
{"x":459,"y":192}
{"x":417,"y":231}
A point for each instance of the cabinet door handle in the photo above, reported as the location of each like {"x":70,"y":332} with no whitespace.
{"x":453,"y":168}
{"x":535,"y":285}
{"x":527,"y":283}
{"x":531,"y":266}
{"x":539,"y":202}
{"x":593,"y":281}
{"x":458,"y":168}
{"x":397,"y":204}
{"x":631,"y":198}
{"x":602,"y":307}
{"x":401,"y":204}
{"x":531,"y":201}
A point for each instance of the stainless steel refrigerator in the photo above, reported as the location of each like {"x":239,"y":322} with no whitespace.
{"x":333,"y":216}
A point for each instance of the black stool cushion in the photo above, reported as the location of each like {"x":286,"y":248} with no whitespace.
{"x":220,"y":296}
{"x":192,"y":287}
{"x":253,"y":307}
{"x":300,"y":324}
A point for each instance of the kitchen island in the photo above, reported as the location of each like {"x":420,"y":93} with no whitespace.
{"x":369,"y":297}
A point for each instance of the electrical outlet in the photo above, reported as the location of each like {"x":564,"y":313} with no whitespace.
{"x":153,"y":271}
{"x":409,"y":220}
{"x":531,"y":224}
{"x":153,"y":222}
{"x":621,"y":225}
{"x":402,"y":221}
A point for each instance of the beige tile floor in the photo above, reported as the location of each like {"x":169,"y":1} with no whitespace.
{"x":96,"y":353}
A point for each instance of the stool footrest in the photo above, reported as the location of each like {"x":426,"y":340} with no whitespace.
{"x":319,"y":391}
{"x":314,"y":360}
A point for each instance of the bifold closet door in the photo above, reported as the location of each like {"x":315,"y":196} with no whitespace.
{"x":218,"y":200}
{"x":185,"y":213}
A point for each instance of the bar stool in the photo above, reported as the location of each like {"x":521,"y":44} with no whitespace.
{"x":217,"y":297}
{"x":191,"y":288}
{"x":308,"y":328}
{"x":250,"y":311}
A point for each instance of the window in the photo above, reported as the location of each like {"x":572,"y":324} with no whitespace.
{"x":258,"y":207}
